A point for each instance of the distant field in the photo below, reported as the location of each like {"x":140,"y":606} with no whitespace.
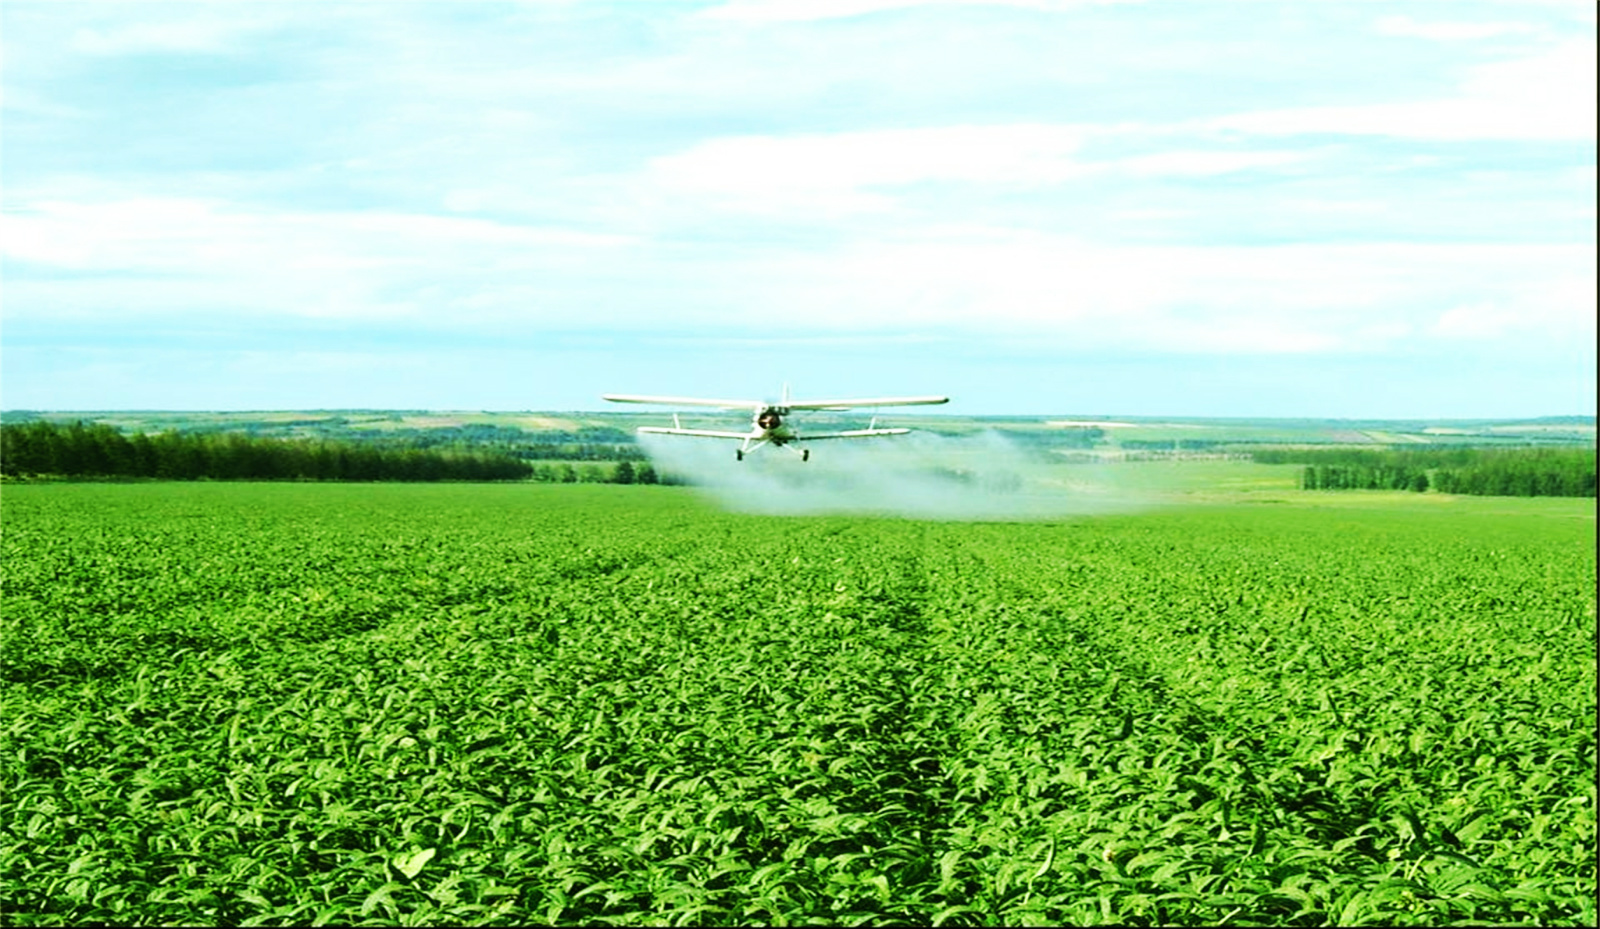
{"x":514,"y":704}
{"x":1117,"y":433}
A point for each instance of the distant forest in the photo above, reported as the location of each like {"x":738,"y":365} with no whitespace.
{"x":584,"y":444}
{"x":98,"y":450}
{"x":1501,"y":472}
{"x":39,"y":448}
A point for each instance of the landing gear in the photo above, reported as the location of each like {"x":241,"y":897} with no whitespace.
{"x":805,"y":454}
{"x":738,"y":454}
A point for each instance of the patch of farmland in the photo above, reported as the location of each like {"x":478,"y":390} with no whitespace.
{"x":534,"y":704}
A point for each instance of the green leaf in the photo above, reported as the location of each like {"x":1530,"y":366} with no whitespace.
{"x":1049,"y":859}
{"x":1470,"y":832}
{"x":1414,"y":825}
{"x":383,"y":896}
{"x":1258,"y":841}
{"x":411,"y":865}
{"x":944,"y":915}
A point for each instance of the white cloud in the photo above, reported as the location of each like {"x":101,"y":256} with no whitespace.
{"x":1224,"y":299}
{"x":185,"y":258}
{"x":1200,"y":163}
{"x":1450,"y":31}
{"x":1561,"y":306}
{"x":799,"y":10}
{"x":192,"y":253}
{"x":21,"y":100}
{"x":831,"y":170}
{"x":852,"y":171}
{"x":1548,"y":96}
{"x":796,"y":10}
{"x":200,"y":30}
{"x":1481,"y":320}
{"x":179,"y":233}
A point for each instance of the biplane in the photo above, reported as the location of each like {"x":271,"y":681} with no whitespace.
{"x":769,"y":423}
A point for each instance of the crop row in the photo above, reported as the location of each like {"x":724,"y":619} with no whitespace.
{"x":310,"y":704}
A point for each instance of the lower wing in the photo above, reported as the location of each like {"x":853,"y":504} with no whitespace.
{"x":702,"y":433}
{"x":850,"y":434}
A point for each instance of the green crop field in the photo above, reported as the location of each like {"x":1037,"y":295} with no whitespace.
{"x":290,"y":704}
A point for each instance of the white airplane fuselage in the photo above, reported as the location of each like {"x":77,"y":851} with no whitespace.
{"x":767,"y":426}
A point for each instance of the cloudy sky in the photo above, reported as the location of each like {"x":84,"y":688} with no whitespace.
{"x":1334,"y":209}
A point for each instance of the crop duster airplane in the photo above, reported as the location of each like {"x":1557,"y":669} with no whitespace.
{"x":767,"y":426}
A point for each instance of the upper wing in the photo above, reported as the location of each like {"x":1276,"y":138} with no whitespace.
{"x":849,"y":434}
{"x":706,"y":433}
{"x":685,"y":401}
{"x":865,"y":401}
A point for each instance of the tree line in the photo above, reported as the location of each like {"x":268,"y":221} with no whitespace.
{"x":586,"y":444}
{"x":1446,"y":456}
{"x":623,"y":472}
{"x":1363,"y":477}
{"x":1514,"y":472}
{"x":98,"y":450}
{"x":1541,"y":472}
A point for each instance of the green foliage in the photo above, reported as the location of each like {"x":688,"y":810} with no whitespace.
{"x":1521,"y":472}
{"x":621,"y":472}
{"x":1537,"y":473}
{"x":1362,"y":477}
{"x":296,"y":704}
{"x":1344,"y":456}
{"x":78,"y":450}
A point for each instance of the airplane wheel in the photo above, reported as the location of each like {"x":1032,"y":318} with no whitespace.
{"x":738,"y":454}
{"x":805,"y":455}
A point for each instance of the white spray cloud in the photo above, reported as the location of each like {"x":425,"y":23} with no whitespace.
{"x":983,"y":476}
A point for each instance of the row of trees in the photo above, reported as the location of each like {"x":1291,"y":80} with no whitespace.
{"x":98,"y":450}
{"x":1545,"y":473}
{"x":586,"y":444}
{"x":581,"y":451}
{"x":625,"y":472}
{"x":1429,"y":457}
{"x":1521,"y":472}
{"x":1361,"y":477}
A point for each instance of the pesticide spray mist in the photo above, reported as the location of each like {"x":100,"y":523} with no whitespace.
{"x":978,"y":477}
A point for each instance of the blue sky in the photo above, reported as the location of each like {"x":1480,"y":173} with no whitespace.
{"x":1333,"y":209}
